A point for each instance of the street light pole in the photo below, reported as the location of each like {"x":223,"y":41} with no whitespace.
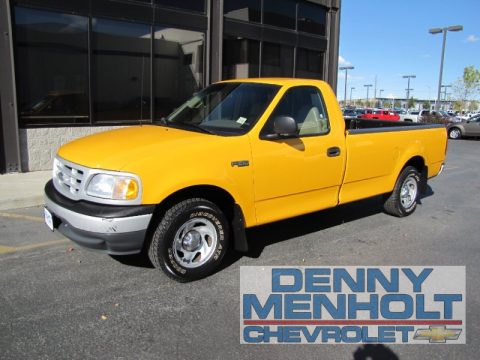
{"x":346,"y":68}
{"x":444,"y":93}
{"x":408,"y":86}
{"x":368,"y":87}
{"x":444,"y":31}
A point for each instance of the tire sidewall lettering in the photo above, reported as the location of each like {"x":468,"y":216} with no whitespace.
{"x":188,"y":215}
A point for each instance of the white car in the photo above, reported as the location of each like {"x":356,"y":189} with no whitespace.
{"x":411,"y":116}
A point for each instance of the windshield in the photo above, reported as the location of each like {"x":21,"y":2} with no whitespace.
{"x":225,"y":108}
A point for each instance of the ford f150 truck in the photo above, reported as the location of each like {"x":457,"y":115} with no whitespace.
{"x":236,"y":155}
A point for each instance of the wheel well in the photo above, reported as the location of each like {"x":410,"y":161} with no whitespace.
{"x":456,"y":128}
{"x":217,"y":195}
{"x":419,"y":163}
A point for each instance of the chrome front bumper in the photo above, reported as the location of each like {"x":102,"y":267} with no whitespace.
{"x":106,"y":229}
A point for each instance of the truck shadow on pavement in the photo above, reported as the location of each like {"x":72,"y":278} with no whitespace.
{"x":262,"y":236}
{"x":374,"y":352}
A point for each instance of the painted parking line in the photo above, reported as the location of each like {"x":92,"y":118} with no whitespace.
{"x":21,"y":217}
{"x":13,"y":249}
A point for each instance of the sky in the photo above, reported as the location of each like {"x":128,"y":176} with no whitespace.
{"x":389,"y":38}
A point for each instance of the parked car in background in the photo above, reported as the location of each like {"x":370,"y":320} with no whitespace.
{"x":466,"y":128}
{"x":350,"y":113}
{"x":382,"y":114}
{"x":410,"y":116}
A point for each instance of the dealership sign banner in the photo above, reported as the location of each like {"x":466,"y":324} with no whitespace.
{"x":352,"y":305}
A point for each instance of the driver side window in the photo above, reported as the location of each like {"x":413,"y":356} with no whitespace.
{"x":305,"y":105}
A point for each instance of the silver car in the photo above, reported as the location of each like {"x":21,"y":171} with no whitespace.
{"x":466,"y":128}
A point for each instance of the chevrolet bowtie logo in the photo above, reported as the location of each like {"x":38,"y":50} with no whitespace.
{"x":437,"y":334}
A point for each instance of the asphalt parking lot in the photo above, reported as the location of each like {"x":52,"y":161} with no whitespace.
{"x":60,"y":301}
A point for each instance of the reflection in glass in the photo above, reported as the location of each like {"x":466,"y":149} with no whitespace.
{"x":225,"y":108}
{"x":279,"y":13}
{"x":277,"y":60}
{"x":309,"y":64}
{"x":178,"y":67}
{"x":120,"y":71}
{"x":191,"y":5}
{"x":240,"y":58}
{"x":52,"y":67}
{"x":245,"y":10}
{"x":311,"y":18}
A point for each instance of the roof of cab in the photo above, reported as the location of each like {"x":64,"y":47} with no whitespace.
{"x":277,"y":81}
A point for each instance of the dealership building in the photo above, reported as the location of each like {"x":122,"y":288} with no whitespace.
{"x":69,"y":68}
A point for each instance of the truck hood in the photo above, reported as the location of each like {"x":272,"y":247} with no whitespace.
{"x":114,"y":149}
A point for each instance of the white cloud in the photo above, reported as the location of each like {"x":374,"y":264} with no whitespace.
{"x":471,"y":39}
{"x":343,"y":62}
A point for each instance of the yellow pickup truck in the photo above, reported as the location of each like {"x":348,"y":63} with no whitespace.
{"x":236,"y":155}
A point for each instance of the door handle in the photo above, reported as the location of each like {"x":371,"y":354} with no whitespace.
{"x":333,"y":151}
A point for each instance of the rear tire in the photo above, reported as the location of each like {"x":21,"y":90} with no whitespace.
{"x":190,"y":240}
{"x":403,"y":199}
{"x":454,"y":133}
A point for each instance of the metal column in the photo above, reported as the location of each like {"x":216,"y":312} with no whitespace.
{"x":10,"y":144}
{"x":333,"y":34}
{"x":216,"y":45}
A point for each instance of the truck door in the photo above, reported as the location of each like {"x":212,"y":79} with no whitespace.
{"x":303,"y":174}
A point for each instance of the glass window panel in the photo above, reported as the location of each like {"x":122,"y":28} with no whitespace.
{"x":245,"y":10}
{"x":311,"y":18}
{"x":280,"y":13}
{"x":309,"y":64}
{"x":178,"y":67}
{"x":191,"y":5}
{"x":277,"y":60}
{"x":305,"y":105}
{"x":52,"y":67}
{"x":120,"y":71}
{"x":240,"y":58}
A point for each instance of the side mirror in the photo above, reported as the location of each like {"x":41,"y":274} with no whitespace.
{"x":283,"y":127}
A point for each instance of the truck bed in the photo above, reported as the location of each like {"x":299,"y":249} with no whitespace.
{"x":377,"y":151}
{"x":358,"y":126}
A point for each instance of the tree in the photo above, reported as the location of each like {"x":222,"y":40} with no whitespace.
{"x":426,"y":105}
{"x":387,"y":104}
{"x":473,"y":106}
{"x":457,"y":105}
{"x":468,"y":86}
{"x":411,"y":103}
{"x":398,"y":104}
{"x":359,"y":103}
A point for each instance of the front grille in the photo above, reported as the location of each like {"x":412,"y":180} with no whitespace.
{"x":68,"y":178}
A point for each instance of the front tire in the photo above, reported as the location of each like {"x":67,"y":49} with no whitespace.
{"x":403,"y":199}
{"x":190,"y":240}
{"x":454,"y":133}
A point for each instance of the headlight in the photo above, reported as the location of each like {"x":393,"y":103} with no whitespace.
{"x":113,"y":187}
